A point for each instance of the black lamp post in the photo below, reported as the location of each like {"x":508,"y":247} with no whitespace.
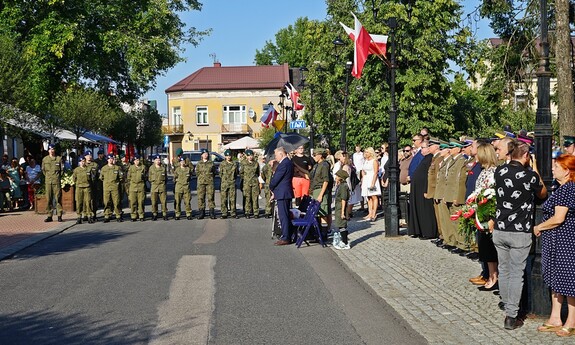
{"x":281,"y":105}
{"x":343,"y":140}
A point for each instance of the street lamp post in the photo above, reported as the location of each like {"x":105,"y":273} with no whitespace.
{"x":343,"y":140}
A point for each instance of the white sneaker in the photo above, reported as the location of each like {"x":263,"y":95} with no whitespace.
{"x":342,"y":245}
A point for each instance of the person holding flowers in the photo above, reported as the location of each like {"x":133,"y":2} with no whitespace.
{"x":557,"y":233}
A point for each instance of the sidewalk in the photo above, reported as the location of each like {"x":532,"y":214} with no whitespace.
{"x":429,"y":287}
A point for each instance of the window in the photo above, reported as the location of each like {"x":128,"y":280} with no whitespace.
{"x":235,"y":114}
{"x":202,"y":115}
{"x":176,"y":116}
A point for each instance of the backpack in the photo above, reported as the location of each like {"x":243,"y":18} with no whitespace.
{"x":354,"y":180}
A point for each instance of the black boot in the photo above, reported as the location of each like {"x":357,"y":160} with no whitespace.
{"x":201,"y":215}
{"x":60,"y":219}
{"x":212,"y":213}
{"x":155,"y":217}
{"x":48,"y":219}
{"x":165,"y":217}
{"x":343,"y":235}
{"x":79,"y":220}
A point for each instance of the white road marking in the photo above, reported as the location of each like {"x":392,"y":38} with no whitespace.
{"x":185,"y":317}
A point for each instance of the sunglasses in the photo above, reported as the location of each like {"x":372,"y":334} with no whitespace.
{"x":406,"y":150}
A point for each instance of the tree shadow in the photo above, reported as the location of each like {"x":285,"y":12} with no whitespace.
{"x":44,"y":327}
{"x":67,"y":242}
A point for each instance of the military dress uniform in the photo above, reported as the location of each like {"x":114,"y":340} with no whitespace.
{"x":266,"y":174}
{"x":455,"y":196}
{"x":250,"y":170}
{"x":52,"y":170}
{"x":442,"y":215}
{"x":182,"y":176}
{"x":137,"y":184}
{"x":228,"y":174}
{"x":83,"y":186}
{"x":111,"y":177}
{"x":205,"y":172}
{"x":158,"y":177}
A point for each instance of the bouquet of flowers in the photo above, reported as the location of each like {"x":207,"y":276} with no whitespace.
{"x":479,"y":207}
{"x":66,"y":178}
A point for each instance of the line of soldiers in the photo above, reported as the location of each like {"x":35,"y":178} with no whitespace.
{"x":105,"y":182}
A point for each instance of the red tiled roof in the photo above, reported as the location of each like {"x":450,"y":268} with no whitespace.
{"x":234,"y":78}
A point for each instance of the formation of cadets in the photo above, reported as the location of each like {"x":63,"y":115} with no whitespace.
{"x":106,"y":181}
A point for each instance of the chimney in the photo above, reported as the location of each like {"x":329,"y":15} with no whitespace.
{"x":217,"y":64}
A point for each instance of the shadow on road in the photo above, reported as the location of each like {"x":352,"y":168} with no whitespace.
{"x":45,"y":327}
{"x":67,"y":242}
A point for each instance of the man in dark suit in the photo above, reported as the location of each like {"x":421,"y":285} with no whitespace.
{"x":282,"y":191}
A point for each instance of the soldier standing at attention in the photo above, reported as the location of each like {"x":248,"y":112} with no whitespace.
{"x":157,"y":175}
{"x":228,"y":174}
{"x":82,"y":176}
{"x":94,"y":169}
{"x":52,"y":170}
{"x":205,"y":171}
{"x":98,"y":191}
{"x":111,"y":176}
{"x":125,"y":187}
{"x":182,"y":176}
{"x":250,"y":170}
{"x":266,"y":175}
{"x":137,"y":182}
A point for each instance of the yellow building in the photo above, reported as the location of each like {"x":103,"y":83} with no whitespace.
{"x":217,"y":105}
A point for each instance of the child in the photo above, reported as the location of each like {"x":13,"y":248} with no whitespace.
{"x":340,"y":210}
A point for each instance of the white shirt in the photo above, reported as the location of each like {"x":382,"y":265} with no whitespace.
{"x":358,"y":160}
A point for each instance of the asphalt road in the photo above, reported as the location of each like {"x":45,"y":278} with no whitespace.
{"x":187,"y":282}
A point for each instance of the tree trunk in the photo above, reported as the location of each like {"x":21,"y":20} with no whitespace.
{"x":563,"y":53}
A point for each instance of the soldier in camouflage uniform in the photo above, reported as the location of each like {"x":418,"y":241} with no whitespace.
{"x":82,"y":176}
{"x":125,"y":186}
{"x":98,"y":192}
{"x":94,"y":179}
{"x":250,"y":170}
{"x":266,"y":175}
{"x":52,"y":170}
{"x":111,"y":177}
{"x":137,"y":183}
{"x":228,"y":174}
{"x":182,"y":176}
{"x":158,"y":176}
{"x":205,"y":171}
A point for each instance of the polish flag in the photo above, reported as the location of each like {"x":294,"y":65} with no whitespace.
{"x":269,"y":117}
{"x":294,"y":96}
{"x":378,"y":44}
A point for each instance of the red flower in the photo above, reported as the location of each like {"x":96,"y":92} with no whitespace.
{"x":469,"y":213}
{"x":470,"y":172}
{"x":455,"y":216}
{"x":482,"y":201}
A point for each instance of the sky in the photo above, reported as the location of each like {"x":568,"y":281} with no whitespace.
{"x":241,"y":27}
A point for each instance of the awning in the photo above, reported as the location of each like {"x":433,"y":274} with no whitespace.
{"x":31,"y":124}
{"x":243,"y":144}
{"x":98,"y":137}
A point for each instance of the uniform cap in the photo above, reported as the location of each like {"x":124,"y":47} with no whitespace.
{"x":228,"y":152}
{"x":568,"y":140}
{"x":249,"y":153}
{"x":182,"y":159}
{"x":342,"y":174}
{"x":110,"y":155}
{"x":434,"y":141}
{"x":525,"y":139}
{"x":88,"y":153}
{"x":455,"y":143}
{"x":51,"y":146}
{"x":81,"y":159}
{"x":319,"y":151}
{"x":136,"y":156}
{"x":157,"y":157}
{"x":204,"y":151}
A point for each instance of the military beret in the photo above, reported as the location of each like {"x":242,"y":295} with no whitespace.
{"x":568,"y":140}
{"x":110,"y":155}
{"x":319,"y":151}
{"x":81,"y":158}
{"x":88,"y":153}
{"x":228,"y":152}
{"x":249,"y":152}
{"x":136,"y":156}
{"x":342,"y":174}
{"x":157,"y":157}
{"x":51,"y":146}
{"x":179,"y":151}
{"x":182,"y":159}
{"x":525,"y":139}
{"x":204,"y":151}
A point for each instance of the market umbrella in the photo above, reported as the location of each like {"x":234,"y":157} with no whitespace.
{"x":289,"y":141}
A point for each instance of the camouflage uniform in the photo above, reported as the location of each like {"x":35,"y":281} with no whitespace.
{"x":205,"y":171}
{"x":111,"y":176}
{"x":82,"y":181}
{"x":158,"y":178}
{"x":251,"y":189}
{"x":267,"y":176}
{"x":94,"y":180}
{"x":228,"y":174}
{"x":137,"y":183}
{"x":52,"y":170}
{"x":98,"y":191}
{"x":125,"y":186}
{"x":182,"y":176}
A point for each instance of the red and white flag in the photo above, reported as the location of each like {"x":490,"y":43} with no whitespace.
{"x":269,"y":117}
{"x":364,"y":44}
{"x":294,"y":96}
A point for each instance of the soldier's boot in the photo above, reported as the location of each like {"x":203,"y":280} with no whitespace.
{"x":165,"y":217}
{"x":60,"y":219}
{"x":201,"y":215}
{"x":48,"y":219}
{"x":85,"y":218}
{"x":224,"y":216}
{"x":91,"y":220}
{"x":155,"y":217}
{"x":212,"y":213}
{"x":79,"y":220}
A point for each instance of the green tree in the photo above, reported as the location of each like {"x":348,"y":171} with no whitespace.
{"x":14,"y":81}
{"x":148,"y":127}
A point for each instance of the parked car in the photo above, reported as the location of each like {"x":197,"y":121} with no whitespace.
{"x":196,"y":156}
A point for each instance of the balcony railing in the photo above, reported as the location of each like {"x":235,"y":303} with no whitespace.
{"x":236,"y":128}
{"x":173,"y":129}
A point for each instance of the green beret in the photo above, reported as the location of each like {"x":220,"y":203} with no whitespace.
{"x":319,"y":151}
{"x":568,"y":140}
{"x":179,"y":151}
{"x":249,"y":152}
{"x":228,"y":152}
{"x":342,"y":174}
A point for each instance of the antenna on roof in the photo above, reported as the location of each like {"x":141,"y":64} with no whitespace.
{"x":213,"y":56}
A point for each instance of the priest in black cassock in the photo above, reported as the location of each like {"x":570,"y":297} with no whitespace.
{"x":422,"y":222}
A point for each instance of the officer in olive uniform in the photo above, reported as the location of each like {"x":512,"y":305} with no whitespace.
{"x":250,"y":170}
{"x":125,"y":186}
{"x":158,"y":177}
{"x":228,"y":174}
{"x":137,"y":186}
{"x":205,"y":171}
{"x":52,"y":170}
{"x":82,"y":176}
{"x":111,"y":177}
{"x":454,"y":194}
{"x":182,"y":176}
{"x":266,"y":175}
{"x":98,"y":192}
{"x":94,"y":179}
